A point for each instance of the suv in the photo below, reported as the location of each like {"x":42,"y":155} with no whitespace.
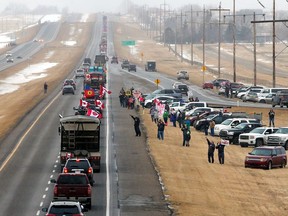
{"x":256,"y":136}
{"x":170,"y":92}
{"x":182,"y":75}
{"x":114,"y":60}
{"x":65,"y":208}
{"x":280,"y":99}
{"x":280,"y":137}
{"x":218,"y":119}
{"x":183,"y":88}
{"x":79,"y":73}
{"x":233,"y":134}
{"x":267,"y":157}
{"x":69,"y":82}
{"x":125,"y":64}
{"x":132,"y":67}
{"x":79,"y":165}
{"x":232,"y":123}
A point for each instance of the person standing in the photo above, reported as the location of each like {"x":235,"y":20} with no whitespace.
{"x":161,"y":127}
{"x":165,"y":117}
{"x":206,"y":127}
{"x":136,"y":125}
{"x":271,"y":115}
{"x":220,"y":148}
{"x":187,"y":137}
{"x":173,"y":117}
{"x":212,"y":126}
{"x":211,"y":149}
{"x":184,"y":130}
{"x":45,"y":87}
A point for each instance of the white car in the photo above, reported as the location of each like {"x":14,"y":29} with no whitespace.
{"x":256,"y":136}
{"x":176,"y":84}
{"x":231,"y":123}
{"x":149,"y":101}
{"x":197,"y":110}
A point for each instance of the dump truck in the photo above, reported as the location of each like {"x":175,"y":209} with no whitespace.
{"x":80,"y":137}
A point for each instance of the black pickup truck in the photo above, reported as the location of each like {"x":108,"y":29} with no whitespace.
{"x":73,"y":187}
{"x":233,"y":134}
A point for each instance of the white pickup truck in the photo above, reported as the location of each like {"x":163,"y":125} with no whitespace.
{"x":280,"y":137}
{"x":256,"y":136}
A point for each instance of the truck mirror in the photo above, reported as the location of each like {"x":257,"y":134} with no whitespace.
{"x":52,"y":181}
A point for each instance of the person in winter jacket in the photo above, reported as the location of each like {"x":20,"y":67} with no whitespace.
{"x":160,"y":127}
{"x":211,"y":149}
{"x":173,"y":118}
{"x":136,"y":125}
{"x":165,"y":117}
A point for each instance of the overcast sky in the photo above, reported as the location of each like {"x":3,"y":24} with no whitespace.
{"x":90,"y":6}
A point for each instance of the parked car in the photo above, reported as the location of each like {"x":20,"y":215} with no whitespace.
{"x":168,"y":92}
{"x":202,"y":115}
{"x":132,"y":67}
{"x":232,"y":123}
{"x":68,"y":89}
{"x":65,"y":208}
{"x":280,"y":99}
{"x":250,"y":96}
{"x":198,"y":110}
{"x":256,"y":136}
{"x":217,"y":82}
{"x":245,"y":90}
{"x":266,"y":157}
{"x":219,"y":118}
{"x":279,"y":138}
{"x":233,"y":134}
{"x":207,"y":85}
{"x":183,"y":75}
{"x":266,"y":99}
{"x":176,"y":84}
{"x":162,"y":98}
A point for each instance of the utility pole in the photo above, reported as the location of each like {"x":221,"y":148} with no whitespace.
{"x":219,"y":36}
{"x":273,"y":41}
{"x":191,"y":26}
{"x":254,"y":27}
{"x":234,"y":42}
{"x":203,"y":45}
{"x":181,"y":24}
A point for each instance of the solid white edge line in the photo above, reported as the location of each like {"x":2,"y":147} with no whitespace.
{"x":107,"y":150}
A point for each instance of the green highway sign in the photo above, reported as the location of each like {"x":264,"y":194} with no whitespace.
{"x":128,"y":43}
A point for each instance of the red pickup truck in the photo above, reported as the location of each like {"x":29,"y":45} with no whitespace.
{"x":73,"y":186}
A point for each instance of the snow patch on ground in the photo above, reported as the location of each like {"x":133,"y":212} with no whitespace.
{"x":51,"y":18}
{"x":69,"y":43}
{"x":32,"y":72}
{"x":49,"y":54}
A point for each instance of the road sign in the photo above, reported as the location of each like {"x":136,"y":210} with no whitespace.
{"x":204,"y":68}
{"x":157,"y":81}
{"x":128,"y":43}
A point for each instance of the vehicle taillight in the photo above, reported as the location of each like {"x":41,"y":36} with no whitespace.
{"x":90,"y":170}
{"x":89,"y":190}
{"x":65,"y":170}
{"x":55,"y":190}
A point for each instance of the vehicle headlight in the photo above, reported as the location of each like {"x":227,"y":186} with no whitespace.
{"x":263,"y":159}
{"x":282,"y":138}
{"x":230,"y":133}
{"x":252,"y":137}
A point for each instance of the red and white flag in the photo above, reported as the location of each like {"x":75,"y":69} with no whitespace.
{"x":103,"y":90}
{"x":94,"y":113}
{"x":157,"y":102}
{"x":84,"y":103}
{"x":88,"y":76}
{"x":100,"y":104}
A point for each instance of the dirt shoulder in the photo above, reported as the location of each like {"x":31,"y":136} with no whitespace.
{"x":192,"y":185}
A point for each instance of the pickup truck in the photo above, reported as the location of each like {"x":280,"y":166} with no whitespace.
{"x":233,"y":134}
{"x":279,"y":138}
{"x":125,"y":64}
{"x":73,"y":187}
{"x":255,"y":137}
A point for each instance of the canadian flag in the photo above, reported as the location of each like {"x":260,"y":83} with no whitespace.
{"x":94,"y":113}
{"x":157,"y":102}
{"x":84,"y":103}
{"x":103,"y":90}
{"x":88,"y":76}
{"x":100,"y":104}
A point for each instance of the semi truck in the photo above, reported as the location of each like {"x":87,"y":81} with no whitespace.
{"x":80,"y":137}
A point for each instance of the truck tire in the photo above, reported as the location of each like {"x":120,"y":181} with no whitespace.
{"x":235,"y":140}
{"x":259,"y":142}
{"x":286,"y":145}
{"x":269,"y":167}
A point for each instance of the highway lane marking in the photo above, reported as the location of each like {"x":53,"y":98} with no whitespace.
{"x":107,"y":154}
{"x":26,"y":133}
{"x":38,"y":212}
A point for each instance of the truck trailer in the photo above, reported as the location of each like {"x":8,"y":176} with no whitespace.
{"x":80,"y":137}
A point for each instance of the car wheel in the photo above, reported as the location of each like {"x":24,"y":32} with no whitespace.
{"x":259,"y":142}
{"x":262,"y":101}
{"x":283,"y":164}
{"x":148,"y":105}
{"x":89,"y":205}
{"x":269,"y":167}
{"x":286,"y":145}
{"x":235,"y":140}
